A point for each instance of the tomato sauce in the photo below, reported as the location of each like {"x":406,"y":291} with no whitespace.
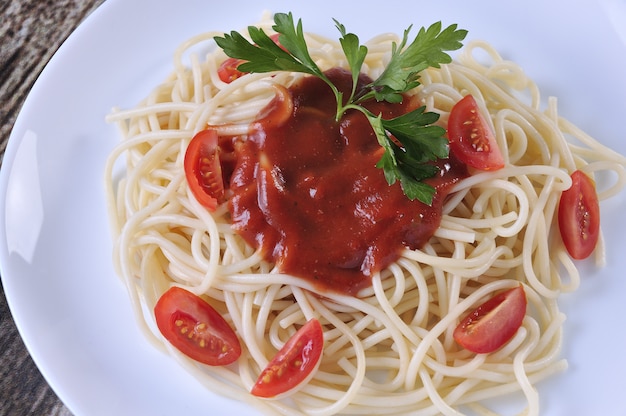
{"x":309,"y":195}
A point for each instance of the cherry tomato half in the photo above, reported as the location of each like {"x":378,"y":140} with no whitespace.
{"x":579,"y":216}
{"x":275,"y":37}
{"x":195,"y":328}
{"x":471,"y":139}
{"x":203,"y":169}
{"x":294,"y":365}
{"x":228,"y":71}
{"x":492,"y":324}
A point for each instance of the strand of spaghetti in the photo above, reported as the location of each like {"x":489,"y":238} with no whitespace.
{"x":415,"y":273}
{"x":151,"y":289}
{"x":522,"y":208}
{"x":490,"y":391}
{"x":238,"y":121}
{"x":461,"y":369}
{"x":263,"y":315}
{"x":524,"y":135}
{"x":557,"y":136}
{"x":181,"y":69}
{"x":340,"y":342}
{"x":242,"y":258}
{"x":461,"y":390}
{"x":446,"y":231}
{"x":549,"y":346}
{"x":148,"y":163}
{"x":513,"y":171}
{"x":147,"y":110}
{"x":618,"y":169}
{"x":472,"y":267}
{"x":477,"y":82}
{"x":572,"y":271}
{"x":358,"y":377}
{"x":434,"y":396}
{"x":454,"y":285}
{"x":410,"y":336}
{"x":226,"y":383}
{"x":449,"y":222}
{"x":110,"y":163}
{"x":122,"y":251}
{"x":210,"y":227}
{"x":388,"y":308}
{"x":530,"y":243}
{"x":532,"y":397}
{"x":604,"y":152}
{"x":173,"y":251}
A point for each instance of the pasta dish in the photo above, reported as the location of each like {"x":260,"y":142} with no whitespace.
{"x":396,"y":326}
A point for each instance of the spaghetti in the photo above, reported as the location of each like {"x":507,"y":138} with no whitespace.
{"x":390,"y":349}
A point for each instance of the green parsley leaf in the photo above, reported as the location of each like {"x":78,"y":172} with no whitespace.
{"x":355,"y":54}
{"x":418,"y":134}
{"x":416,"y":140}
{"x":421,"y":143}
{"x":262,"y":56}
{"x":427,"y":50}
{"x":417,"y":190}
{"x":292,"y":38}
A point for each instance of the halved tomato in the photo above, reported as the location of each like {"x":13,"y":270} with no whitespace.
{"x":471,"y":139}
{"x":228,"y":71}
{"x":579,"y":216}
{"x":493,"y":323}
{"x":195,"y":328}
{"x":275,"y":37}
{"x":203,"y":169}
{"x":294,"y":365}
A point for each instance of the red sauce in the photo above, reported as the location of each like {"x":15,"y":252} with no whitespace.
{"x":309,"y":195}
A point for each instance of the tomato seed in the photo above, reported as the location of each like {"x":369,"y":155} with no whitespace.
{"x":583,"y":218}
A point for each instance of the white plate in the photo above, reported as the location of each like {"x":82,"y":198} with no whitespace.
{"x":73,"y":312}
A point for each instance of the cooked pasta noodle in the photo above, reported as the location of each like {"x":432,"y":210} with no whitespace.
{"x":389,"y":350}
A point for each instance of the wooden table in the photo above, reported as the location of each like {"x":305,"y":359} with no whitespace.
{"x":30,"y":32}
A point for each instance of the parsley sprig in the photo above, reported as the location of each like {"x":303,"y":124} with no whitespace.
{"x":417,"y":140}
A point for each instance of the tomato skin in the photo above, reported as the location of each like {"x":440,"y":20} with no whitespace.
{"x":203,"y":169}
{"x":579,"y":216}
{"x":471,"y":139}
{"x":294,"y":364}
{"x":493,"y":323}
{"x":195,"y":328}
{"x":275,"y":37}
{"x":228,"y":71}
